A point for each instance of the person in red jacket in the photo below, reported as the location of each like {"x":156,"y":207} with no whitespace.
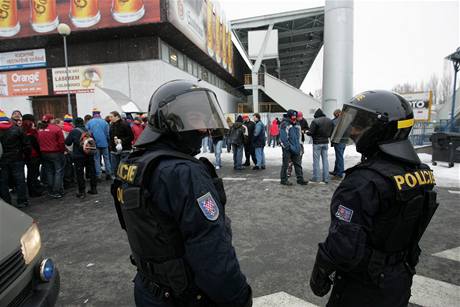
{"x":51,"y":140}
{"x":274,"y":133}
{"x":33,"y":162}
{"x":137,"y":128}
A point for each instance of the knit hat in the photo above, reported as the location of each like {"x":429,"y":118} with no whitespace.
{"x":3,"y":117}
{"x":47,"y":118}
{"x":68,"y":118}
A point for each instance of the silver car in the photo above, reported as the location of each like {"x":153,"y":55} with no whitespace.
{"x":26,"y":277}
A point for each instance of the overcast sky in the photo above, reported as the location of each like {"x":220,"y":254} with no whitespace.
{"x":394,"y":41}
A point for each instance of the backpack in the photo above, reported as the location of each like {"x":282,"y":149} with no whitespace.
{"x":87,"y":142}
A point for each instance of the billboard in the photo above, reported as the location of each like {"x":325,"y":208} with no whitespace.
{"x":82,"y":79}
{"x":24,"y":83}
{"x":22,"y":59}
{"x":203,"y":22}
{"x":22,"y":18}
{"x":421,"y":104}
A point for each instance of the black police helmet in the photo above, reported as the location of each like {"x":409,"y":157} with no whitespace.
{"x":180,"y":107}
{"x":377,"y":120}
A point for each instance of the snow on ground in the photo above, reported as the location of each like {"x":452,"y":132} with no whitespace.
{"x":445,"y":177}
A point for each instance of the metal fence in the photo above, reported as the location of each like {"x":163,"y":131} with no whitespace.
{"x":422,"y":131}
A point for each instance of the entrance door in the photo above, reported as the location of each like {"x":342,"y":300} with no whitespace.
{"x":56,"y":105}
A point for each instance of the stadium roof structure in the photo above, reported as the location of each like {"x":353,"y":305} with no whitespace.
{"x":300,"y":38}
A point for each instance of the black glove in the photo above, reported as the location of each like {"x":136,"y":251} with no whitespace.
{"x":320,"y":282}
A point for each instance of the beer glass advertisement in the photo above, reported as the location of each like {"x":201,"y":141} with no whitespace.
{"x":82,"y":79}
{"x":421,"y":104}
{"x":204,"y":23}
{"x":24,"y":83}
{"x":22,"y":18}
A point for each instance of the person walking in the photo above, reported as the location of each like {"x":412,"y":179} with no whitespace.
{"x":339,"y":148}
{"x":320,"y":130}
{"x":51,"y":140}
{"x":84,"y":161}
{"x":380,"y":210}
{"x":121,"y":139}
{"x":259,"y":141}
{"x":290,"y":142}
{"x":172,"y":207}
{"x":16,"y":149}
{"x":99,"y":129}
{"x":236,"y":139}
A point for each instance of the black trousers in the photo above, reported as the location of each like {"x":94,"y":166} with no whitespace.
{"x":85,"y":165}
{"x":296,"y":161}
{"x":33,"y":172}
{"x":250,"y":152}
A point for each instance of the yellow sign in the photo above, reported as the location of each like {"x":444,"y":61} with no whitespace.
{"x":127,"y":172}
{"x":410,"y":180}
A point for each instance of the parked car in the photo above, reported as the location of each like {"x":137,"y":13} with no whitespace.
{"x":27,"y":278}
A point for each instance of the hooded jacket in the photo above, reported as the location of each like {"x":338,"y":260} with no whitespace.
{"x":99,"y":128}
{"x":274,"y":128}
{"x":321,"y":128}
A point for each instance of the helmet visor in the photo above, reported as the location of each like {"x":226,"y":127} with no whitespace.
{"x":353,"y":124}
{"x":194,"y":110}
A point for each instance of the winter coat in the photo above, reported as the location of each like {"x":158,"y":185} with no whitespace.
{"x":250,"y":125}
{"x":290,"y":136}
{"x":259,"y":138}
{"x":15,"y":145}
{"x":303,"y":128}
{"x":51,"y":139}
{"x":32,"y":139}
{"x":321,"y":128}
{"x":121,"y":130}
{"x":274,"y":128}
{"x":99,"y":128}
{"x":73,"y":139}
{"x":236,"y":134}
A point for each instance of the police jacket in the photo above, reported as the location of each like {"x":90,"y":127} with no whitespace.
{"x":180,"y":238}
{"x":377,"y":218}
{"x":290,"y":136}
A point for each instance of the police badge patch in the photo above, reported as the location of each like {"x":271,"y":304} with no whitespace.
{"x":208,"y":206}
{"x":343,"y":213}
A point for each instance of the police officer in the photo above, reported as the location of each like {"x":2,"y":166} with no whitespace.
{"x":172,"y":206}
{"x":379,"y":211}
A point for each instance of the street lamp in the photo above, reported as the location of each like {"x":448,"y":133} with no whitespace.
{"x":455,"y":58}
{"x":64,"y":30}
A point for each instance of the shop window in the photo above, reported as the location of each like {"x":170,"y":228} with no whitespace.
{"x":164,"y":52}
{"x":189,"y":66}
{"x":180,"y":57}
{"x":173,"y":57}
{"x":205,"y":75}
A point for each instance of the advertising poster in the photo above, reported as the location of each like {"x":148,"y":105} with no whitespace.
{"x":22,"y":59}
{"x":23,"y":18}
{"x":203,"y":22}
{"x":82,"y":79}
{"x":421,"y":104}
{"x":24,"y":83}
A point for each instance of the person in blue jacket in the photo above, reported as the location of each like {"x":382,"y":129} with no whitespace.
{"x":99,"y":128}
{"x":292,"y":150}
{"x":172,"y":206}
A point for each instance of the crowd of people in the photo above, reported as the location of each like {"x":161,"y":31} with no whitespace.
{"x":291,"y":133}
{"x":52,"y":149}
{"x":59,"y":153}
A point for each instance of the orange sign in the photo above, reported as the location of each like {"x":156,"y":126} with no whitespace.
{"x":24,"y":83}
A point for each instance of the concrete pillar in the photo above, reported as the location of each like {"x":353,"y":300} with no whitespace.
{"x":338,"y":55}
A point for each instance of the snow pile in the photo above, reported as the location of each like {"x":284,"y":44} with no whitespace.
{"x":445,"y":177}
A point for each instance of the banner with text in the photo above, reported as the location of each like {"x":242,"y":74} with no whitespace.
{"x":421,"y":104}
{"x":22,"y":59}
{"x":24,"y":83}
{"x":82,"y":79}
